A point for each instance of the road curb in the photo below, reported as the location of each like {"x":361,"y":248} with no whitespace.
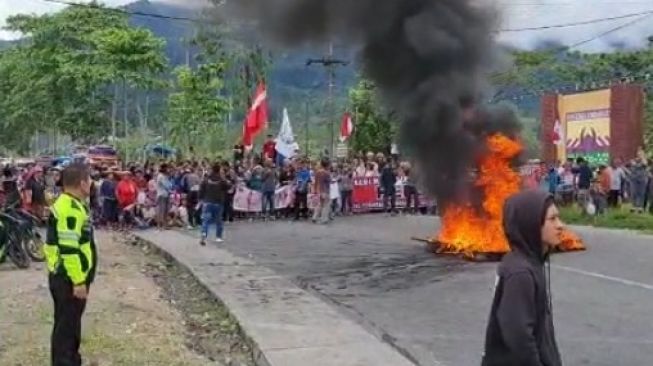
{"x":257,"y":354}
{"x":285,"y":325}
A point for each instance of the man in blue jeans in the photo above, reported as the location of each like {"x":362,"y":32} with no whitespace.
{"x":213,"y":192}
{"x":270,"y":179}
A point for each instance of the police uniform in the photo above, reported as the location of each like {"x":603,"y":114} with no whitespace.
{"x":71,"y":260}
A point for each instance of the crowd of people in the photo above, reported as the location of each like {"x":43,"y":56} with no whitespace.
{"x":600,"y":187}
{"x":200,"y":193}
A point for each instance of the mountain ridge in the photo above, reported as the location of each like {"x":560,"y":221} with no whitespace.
{"x":289,"y":73}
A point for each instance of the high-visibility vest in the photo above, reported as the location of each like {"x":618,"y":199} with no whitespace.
{"x":69,"y":247}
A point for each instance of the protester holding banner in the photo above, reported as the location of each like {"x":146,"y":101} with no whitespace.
{"x":302,"y":185}
{"x":286,"y":180}
{"x":270,"y":180}
{"x":345,"y":180}
{"x":388,"y":181}
{"x":359,"y":167}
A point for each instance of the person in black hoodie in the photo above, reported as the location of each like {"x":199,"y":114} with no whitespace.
{"x":520,"y":329}
{"x":388,"y":180}
{"x":213,"y":192}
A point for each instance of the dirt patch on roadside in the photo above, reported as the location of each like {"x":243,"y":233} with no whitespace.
{"x":142,"y":310}
{"x":210,"y":329}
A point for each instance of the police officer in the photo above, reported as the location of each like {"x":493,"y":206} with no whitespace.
{"x":71,"y":261}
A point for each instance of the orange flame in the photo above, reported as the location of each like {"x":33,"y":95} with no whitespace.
{"x":467,"y":231}
{"x":464,"y":230}
{"x":570,"y":242}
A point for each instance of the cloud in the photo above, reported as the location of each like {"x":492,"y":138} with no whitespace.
{"x":13,"y":7}
{"x":534,"y":13}
{"x":513,"y":14}
{"x":187,"y":3}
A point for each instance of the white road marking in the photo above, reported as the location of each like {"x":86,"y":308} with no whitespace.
{"x":622,"y":281}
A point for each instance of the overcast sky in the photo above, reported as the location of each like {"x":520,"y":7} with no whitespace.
{"x":534,"y":13}
{"x":12,"y":7}
{"x":514,"y":14}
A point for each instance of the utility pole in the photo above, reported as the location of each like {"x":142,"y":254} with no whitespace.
{"x":114,"y":113}
{"x":306,"y":118}
{"x":330,"y":63}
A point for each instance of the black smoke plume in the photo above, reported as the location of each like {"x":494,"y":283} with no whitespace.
{"x":428,"y":58}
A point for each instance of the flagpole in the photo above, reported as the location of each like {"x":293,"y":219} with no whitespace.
{"x":355,"y":119}
{"x":332,"y":76}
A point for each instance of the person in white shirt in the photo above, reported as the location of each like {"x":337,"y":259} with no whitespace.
{"x":359,"y":168}
{"x":334,"y":192}
{"x":617,"y":176}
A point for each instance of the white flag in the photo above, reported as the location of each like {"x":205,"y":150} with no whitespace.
{"x":286,"y":140}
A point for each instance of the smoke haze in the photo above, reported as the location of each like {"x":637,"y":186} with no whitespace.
{"x":427,"y":58}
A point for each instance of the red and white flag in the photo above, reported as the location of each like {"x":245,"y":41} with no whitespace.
{"x":257,"y":117}
{"x":346,"y":127}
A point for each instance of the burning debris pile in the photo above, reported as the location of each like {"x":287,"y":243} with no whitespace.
{"x":471,"y":231}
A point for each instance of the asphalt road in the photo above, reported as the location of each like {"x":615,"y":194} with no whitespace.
{"x":434,"y":309}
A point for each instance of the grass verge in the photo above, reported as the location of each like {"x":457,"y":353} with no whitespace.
{"x":619,"y":218}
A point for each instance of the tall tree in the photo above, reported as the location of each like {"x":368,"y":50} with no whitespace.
{"x":374,"y":127}
{"x":134,"y":59}
{"x":197,"y":110}
{"x":58,"y":78}
{"x":248,"y":66}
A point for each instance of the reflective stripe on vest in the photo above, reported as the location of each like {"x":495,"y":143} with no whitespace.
{"x":75,"y":257}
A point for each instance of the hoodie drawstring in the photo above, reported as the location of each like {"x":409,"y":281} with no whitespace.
{"x":548,"y":283}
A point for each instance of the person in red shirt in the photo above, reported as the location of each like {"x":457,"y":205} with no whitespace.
{"x":127,"y":195}
{"x":126,"y":191}
{"x":269,"y":149}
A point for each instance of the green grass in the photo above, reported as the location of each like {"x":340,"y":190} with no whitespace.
{"x":620,"y":218}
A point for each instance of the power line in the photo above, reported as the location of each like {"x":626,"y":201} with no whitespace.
{"x":572,"y":3}
{"x":643,"y":15}
{"x":643,"y":78}
{"x":196,"y":20}
{"x":574,"y":24}
{"x":609,"y":31}
{"x":125,"y":11}
{"x":560,"y":49}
